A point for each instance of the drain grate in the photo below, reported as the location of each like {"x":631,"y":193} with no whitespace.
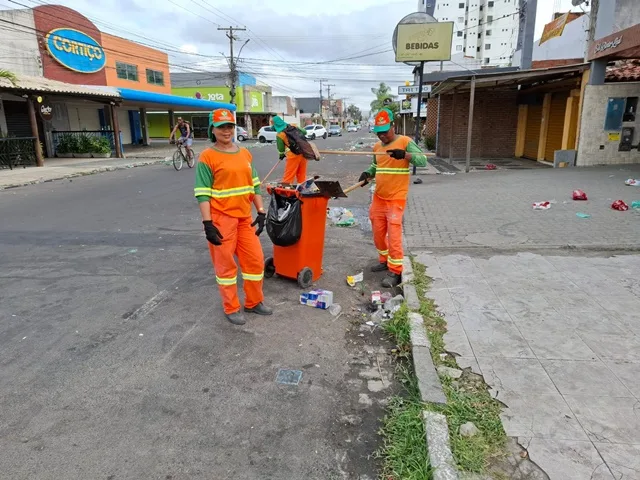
{"x":288,"y":377}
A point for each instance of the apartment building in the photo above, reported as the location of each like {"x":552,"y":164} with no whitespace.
{"x":486,"y":30}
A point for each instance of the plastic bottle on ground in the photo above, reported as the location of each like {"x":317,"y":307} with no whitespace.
{"x":335,"y":309}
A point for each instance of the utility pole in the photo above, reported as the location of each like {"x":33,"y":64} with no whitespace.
{"x":233,"y":71}
{"x":320,"y":82}
{"x":329,"y":85}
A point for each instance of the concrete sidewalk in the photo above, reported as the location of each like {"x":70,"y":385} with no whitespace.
{"x":61,"y":168}
{"x":554,"y":331}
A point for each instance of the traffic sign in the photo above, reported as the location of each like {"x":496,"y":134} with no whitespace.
{"x":413,"y":89}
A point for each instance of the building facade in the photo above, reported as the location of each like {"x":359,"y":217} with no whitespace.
{"x":485,"y":30}
{"x":58,"y":43}
{"x":610,"y":133}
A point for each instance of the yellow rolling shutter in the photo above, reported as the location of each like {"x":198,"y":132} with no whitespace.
{"x":532,"y":136}
{"x":556,"y":124}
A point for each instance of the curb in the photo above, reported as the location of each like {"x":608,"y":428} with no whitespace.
{"x":435,"y":424}
{"x":440,"y":456}
{"x":83,"y":174}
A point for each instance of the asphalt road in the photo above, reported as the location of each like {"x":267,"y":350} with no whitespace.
{"x":116,"y":361}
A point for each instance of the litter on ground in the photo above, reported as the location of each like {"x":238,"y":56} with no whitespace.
{"x":579,"y":195}
{"x":353,"y":279}
{"x":583,"y":215}
{"x":635,"y":204}
{"x":632,"y":182}
{"x":620,"y":206}
{"x":341,"y":217}
{"x":542,"y":205}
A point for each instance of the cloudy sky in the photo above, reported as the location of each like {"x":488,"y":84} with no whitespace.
{"x":346,"y":43}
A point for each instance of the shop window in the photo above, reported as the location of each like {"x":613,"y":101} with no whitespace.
{"x":613,"y":118}
{"x":126,"y":71}
{"x":155,"y":77}
{"x":630,"y":108}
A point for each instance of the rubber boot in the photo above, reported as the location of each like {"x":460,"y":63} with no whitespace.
{"x":260,"y":309}
{"x":237,"y":318}
{"x":381,"y":267}
{"x":392,"y":280}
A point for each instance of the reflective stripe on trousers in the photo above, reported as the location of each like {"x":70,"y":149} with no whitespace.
{"x":239,"y":239}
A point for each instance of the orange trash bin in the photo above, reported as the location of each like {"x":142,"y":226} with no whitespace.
{"x":302,"y":261}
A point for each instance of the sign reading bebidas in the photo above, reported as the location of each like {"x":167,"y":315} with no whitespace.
{"x":75,"y":50}
{"x":424,"y":42}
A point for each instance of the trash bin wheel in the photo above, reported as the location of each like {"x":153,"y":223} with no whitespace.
{"x":305,"y":277}
{"x":269,"y":268}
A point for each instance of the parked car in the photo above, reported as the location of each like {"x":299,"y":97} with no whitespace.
{"x":352,"y":128}
{"x":335,"y":131}
{"x":266,"y":134}
{"x":315,"y":131}
{"x":241,"y":133}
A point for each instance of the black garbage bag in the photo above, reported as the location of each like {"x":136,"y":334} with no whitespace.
{"x":284,"y":220}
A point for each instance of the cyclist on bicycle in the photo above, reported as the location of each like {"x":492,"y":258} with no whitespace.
{"x":186,"y":135}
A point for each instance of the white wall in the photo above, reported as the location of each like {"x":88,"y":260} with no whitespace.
{"x":19,"y":51}
{"x":571,"y":44}
{"x":83,"y":117}
{"x":125,"y":125}
{"x":592,"y":133}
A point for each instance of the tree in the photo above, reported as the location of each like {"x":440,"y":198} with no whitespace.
{"x":6,"y":74}
{"x":383,"y":93}
{"x":354,"y":113}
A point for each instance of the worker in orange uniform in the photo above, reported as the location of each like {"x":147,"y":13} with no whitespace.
{"x":295,"y":170}
{"x":391,"y":172}
{"x":226,"y":185}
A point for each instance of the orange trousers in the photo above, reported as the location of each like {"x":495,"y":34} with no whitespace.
{"x":239,"y":239}
{"x":386,"y":221}
{"x":295,"y":170}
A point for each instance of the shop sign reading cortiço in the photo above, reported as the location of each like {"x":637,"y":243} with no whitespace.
{"x":75,"y":50}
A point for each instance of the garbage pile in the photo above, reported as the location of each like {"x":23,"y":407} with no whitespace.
{"x":385,"y":305}
{"x":341,"y":217}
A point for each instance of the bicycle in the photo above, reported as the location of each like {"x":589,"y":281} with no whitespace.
{"x":179,"y":157}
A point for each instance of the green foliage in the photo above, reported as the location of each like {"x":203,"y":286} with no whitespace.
{"x":381,"y":93}
{"x":67,"y":143}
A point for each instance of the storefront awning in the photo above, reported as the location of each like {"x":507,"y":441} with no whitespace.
{"x":163,"y":101}
{"x":509,"y":79}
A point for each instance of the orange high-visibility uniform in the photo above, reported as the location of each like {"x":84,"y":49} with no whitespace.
{"x":295,"y":169}
{"x":229,"y":182}
{"x":389,"y":201}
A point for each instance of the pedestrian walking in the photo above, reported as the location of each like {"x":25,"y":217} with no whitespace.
{"x":226,"y":186}
{"x":392,"y":174}
{"x":295,"y":169}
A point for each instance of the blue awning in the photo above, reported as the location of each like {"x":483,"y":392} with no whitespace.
{"x":168,"y":102}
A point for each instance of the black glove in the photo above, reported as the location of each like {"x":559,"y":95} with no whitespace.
{"x":397,"y":153}
{"x":282,"y":155}
{"x":260,"y":219}
{"x":364,"y":176}
{"x":212,"y":233}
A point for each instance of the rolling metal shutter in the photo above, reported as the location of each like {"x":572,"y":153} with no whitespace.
{"x":17,"y":115}
{"x":555,"y":124}
{"x":532,"y":135}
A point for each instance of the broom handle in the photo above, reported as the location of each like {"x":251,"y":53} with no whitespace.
{"x":353,"y":187}
{"x":270,"y":172}
{"x":349,"y":152}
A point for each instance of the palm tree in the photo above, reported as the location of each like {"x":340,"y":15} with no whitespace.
{"x":382,"y":93}
{"x":9,"y":76}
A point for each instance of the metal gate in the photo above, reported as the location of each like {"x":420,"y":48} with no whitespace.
{"x":532,"y":135}
{"x":555,"y":127}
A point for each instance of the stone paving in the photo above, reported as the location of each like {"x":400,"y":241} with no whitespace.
{"x":494,"y":209}
{"x":558,"y":340}
{"x":554,"y":331}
